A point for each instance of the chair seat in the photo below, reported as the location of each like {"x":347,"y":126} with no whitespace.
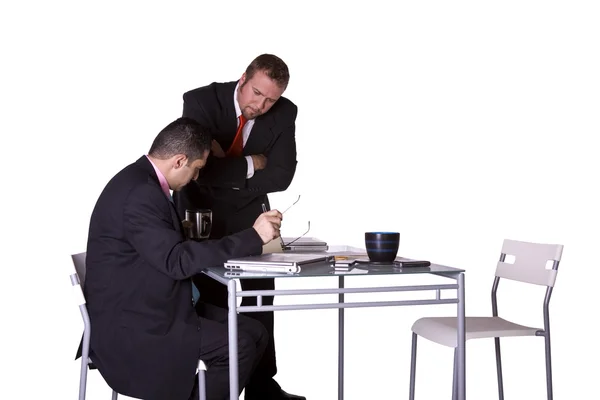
{"x":443,"y":330}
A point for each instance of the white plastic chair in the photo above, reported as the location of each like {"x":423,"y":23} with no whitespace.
{"x":529,"y":266}
{"x":77,"y":280}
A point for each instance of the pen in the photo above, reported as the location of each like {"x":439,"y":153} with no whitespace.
{"x":264,"y":207}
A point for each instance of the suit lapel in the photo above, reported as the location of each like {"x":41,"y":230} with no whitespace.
{"x":228,"y":120}
{"x":261,"y":135}
{"x":176,"y":218}
{"x":153,"y":180}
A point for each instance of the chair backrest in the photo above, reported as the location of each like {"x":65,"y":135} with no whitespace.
{"x":77,"y":280}
{"x":530,"y":263}
{"x":79,"y":262}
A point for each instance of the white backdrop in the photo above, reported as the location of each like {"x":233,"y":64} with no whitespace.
{"x":456,"y":123}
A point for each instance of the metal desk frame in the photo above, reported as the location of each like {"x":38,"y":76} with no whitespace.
{"x":233,"y":294}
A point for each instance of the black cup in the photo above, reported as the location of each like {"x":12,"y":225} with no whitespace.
{"x":382,"y":247}
{"x":200,"y":223}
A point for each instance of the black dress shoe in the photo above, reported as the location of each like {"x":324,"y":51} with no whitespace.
{"x":286,"y":396}
{"x":279,"y":395}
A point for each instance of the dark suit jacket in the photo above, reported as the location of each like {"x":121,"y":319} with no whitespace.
{"x":145,"y":332}
{"x":222,"y":185}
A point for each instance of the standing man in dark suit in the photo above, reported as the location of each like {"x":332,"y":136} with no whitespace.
{"x":253,"y":154}
{"x":146,"y":335}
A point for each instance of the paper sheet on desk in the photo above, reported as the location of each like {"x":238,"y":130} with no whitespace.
{"x":352,"y":271}
{"x":274,"y":246}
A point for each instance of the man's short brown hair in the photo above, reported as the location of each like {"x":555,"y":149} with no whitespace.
{"x":272,"y":66}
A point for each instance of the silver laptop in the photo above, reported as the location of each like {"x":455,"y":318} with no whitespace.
{"x":304,"y":241}
{"x":275,"y":262}
{"x":303,"y":244}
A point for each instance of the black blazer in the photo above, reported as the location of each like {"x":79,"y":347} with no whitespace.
{"x":222,"y":185}
{"x":145,"y":332}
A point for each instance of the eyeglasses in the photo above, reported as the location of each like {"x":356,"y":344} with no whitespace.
{"x":297,"y":200}
{"x":264,"y":207}
{"x":284,"y":245}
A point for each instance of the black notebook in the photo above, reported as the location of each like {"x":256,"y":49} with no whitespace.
{"x":399,"y":263}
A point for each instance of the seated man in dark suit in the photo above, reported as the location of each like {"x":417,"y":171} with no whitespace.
{"x":253,"y":154}
{"x":146,"y":335}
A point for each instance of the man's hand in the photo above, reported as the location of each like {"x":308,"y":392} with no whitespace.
{"x":187,"y":228}
{"x":267,"y":225}
{"x":216,"y":149}
{"x":260,"y":161}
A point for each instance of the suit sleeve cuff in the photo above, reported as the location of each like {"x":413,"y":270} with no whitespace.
{"x":252,"y":239}
{"x":250,"y":172}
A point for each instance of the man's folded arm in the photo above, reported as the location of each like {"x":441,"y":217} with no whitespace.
{"x":281,"y":165}
{"x":229,"y":172}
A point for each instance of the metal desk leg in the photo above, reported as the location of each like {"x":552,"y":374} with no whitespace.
{"x":462,"y":382}
{"x":233,"y":343}
{"x":341,"y":343}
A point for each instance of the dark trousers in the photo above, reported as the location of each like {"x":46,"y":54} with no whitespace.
{"x":214,"y":350}
{"x":261,"y":381}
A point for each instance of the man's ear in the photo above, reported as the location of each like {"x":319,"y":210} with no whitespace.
{"x":180,"y":160}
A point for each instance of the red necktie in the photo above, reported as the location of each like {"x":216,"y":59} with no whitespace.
{"x":237,"y":147}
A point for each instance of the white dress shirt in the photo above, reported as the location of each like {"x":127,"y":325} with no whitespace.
{"x":245,"y":132}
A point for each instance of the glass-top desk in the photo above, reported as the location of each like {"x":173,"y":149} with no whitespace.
{"x":325,"y":269}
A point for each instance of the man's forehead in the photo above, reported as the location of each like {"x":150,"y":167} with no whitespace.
{"x":265,"y":85}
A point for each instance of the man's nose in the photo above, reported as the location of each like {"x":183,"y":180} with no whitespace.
{"x":262,"y":104}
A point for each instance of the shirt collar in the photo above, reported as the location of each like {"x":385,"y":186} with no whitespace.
{"x":161,"y":179}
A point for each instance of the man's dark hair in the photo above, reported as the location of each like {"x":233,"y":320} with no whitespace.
{"x":182,"y":136}
{"x":272,"y":66}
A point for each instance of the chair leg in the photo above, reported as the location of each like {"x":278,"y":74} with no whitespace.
{"x":548,"y":366}
{"x":499,"y":369}
{"x":413,"y":366}
{"x":201,"y":385}
{"x":83,"y":378}
{"x":114,"y":395}
{"x":455,"y":376}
